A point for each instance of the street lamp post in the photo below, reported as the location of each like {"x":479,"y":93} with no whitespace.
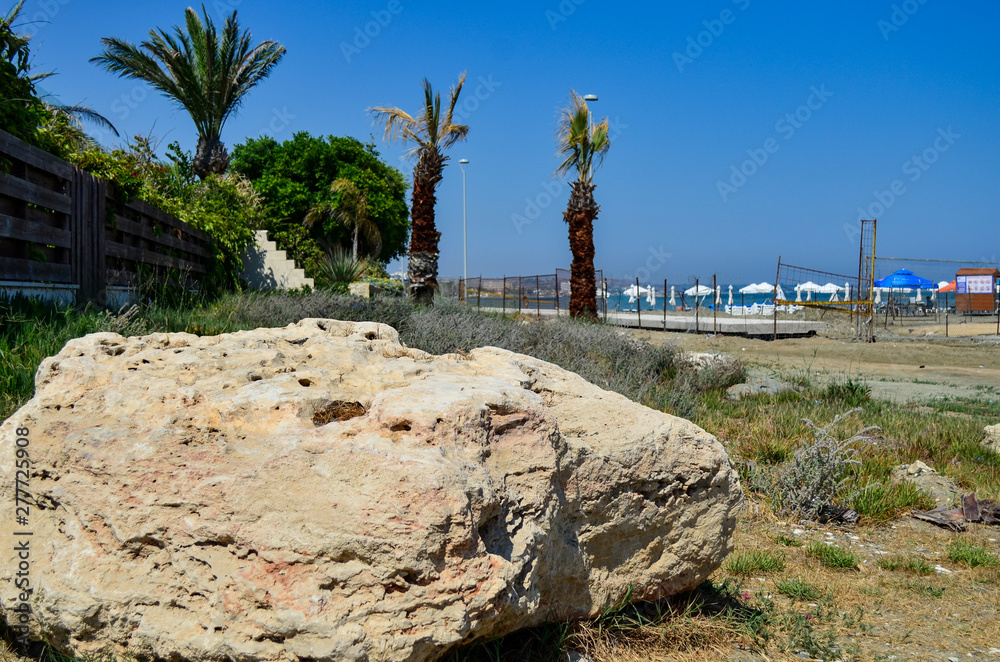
{"x":465,"y":233}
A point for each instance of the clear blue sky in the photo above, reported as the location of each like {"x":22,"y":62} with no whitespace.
{"x":696,"y":89}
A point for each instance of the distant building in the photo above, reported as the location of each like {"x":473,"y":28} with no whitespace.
{"x":976,"y":290}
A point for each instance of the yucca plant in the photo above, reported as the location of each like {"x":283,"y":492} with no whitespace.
{"x":337,"y":267}
{"x":205,"y":73}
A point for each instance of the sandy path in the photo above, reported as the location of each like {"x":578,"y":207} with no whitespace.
{"x":900,"y":370}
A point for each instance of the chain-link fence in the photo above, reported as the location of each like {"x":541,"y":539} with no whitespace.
{"x":526,"y":294}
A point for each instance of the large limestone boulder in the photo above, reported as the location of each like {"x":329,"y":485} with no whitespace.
{"x":991,"y":437}
{"x":323,"y":492}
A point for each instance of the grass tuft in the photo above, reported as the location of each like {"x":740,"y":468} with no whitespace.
{"x":799,"y":590}
{"x":832,"y":556}
{"x":913,"y":564}
{"x":972,"y":555}
{"x":755,"y":561}
{"x":787,"y":541}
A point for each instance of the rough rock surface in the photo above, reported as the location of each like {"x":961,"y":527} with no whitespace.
{"x":944,"y":490}
{"x":992,"y":437}
{"x":323,"y":492}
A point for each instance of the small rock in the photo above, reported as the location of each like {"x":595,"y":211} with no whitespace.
{"x":756,"y":386}
{"x":942,"y":570}
{"x":942,"y":489}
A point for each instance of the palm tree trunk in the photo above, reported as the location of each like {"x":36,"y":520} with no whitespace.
{"x":423,"y":262}
{"x":210,"y":157}
{"x":580,"y":214}
{"x":354,"y":250}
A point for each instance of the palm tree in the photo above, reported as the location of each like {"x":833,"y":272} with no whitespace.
{"x":207,"y":76}
{"x":430,"y":134}
{"x":583,"y":146}
{"x":351,"y":210}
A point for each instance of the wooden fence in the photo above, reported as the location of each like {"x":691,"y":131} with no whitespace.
{"x":61,"y":225}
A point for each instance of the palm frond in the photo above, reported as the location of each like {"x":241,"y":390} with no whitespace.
{"x":205,"y":72}
{"x":76,"y":113}
{"x":581,"y":144}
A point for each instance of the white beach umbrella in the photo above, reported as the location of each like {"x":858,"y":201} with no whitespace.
{"x":798,"y":294}
{"x":730,"y":295}
{"x":673,"y":296}
{"x":780,"y":294}
{"x":700,"y":291}
{"x":878,"y":295}
{"x":718,"y":296}
{"x":651,"y":296}
{"x":833,"y":297}
{"x":847,"y":291}
{"x":749,"y":289}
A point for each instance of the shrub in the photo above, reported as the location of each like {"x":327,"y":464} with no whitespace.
{"x":808,"y":484}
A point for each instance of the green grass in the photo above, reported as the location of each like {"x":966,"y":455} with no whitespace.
{"x":755,"y":561}
{"x":832,"y":556}
{"x":787,"y":541}
{"x":972,"y":555}
{"x":924,"y":589}
{"x":799,"y":590}
{"x":878,"y":503}
{"x":913,"y":564}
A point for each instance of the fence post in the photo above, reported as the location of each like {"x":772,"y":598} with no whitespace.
{"x":638,"y":301}
{"x":605,"y":282}
{"x":87,"y":256}
{"x":504,"y":295}
{"x":664,"y":304}
{"x":461,"y":289}
{"x":715,"y":305}
{"x":538,"y":298}
{"x":520,"y":294}
{"x":697,"y":307}
{"x":557,"y":293}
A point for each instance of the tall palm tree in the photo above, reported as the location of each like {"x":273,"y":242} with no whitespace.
{"x":206,"y":75}
{"x":351,"y":210}
{"x":430,"y":134}
{"x":583,"y":146}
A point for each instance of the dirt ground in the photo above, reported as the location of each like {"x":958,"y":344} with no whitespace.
{"x":898,"y":369}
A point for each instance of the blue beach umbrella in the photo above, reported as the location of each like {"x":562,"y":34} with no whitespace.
{"x":905,"y":278}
